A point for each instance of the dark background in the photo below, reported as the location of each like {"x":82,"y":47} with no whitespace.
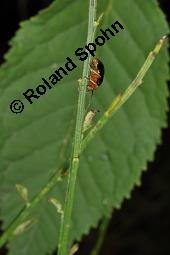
{"x":142,"y":226}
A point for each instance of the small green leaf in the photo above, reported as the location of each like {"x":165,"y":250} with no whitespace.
{"x":74,"y":249}
{"x":57,"y":205}
{"x":23,"y":227}
{"x":23,"y":192}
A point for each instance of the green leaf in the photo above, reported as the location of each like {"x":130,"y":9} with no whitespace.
{"x":37,"y":142}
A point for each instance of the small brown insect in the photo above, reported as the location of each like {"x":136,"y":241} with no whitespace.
{"x":96,"y":74}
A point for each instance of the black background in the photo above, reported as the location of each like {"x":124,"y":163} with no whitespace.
{"x":142,"y":226}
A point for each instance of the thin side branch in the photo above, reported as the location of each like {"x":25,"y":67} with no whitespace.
{"x":122,"y":98}
{"x":24,"y":213}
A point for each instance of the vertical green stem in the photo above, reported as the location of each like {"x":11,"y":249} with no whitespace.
{"x":101,"y":236}
{"x":66,"y":219}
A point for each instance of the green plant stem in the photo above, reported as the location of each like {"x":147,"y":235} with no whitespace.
{"x":101,"y":236}
{"x":115,"y":105}
{"x":122,"y":98}
{"x":69,"y":198}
